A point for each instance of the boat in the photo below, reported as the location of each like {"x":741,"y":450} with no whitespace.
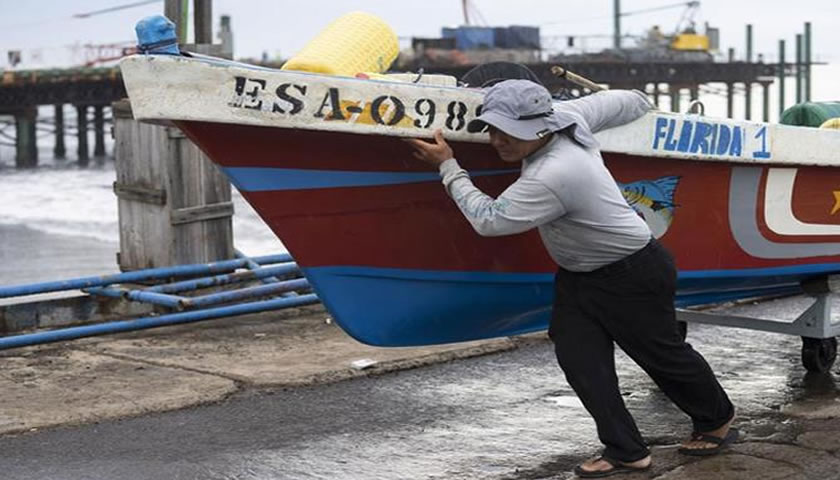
{"x":747,"y":208}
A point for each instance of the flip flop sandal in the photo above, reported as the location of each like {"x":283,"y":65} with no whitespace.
{"x":617,"y":468}
{"x":720,"y":443}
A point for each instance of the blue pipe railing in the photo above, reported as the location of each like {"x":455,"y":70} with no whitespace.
{"x":171,"y":301}
{"x":138,"y":276}
{"x":243,"y":293}
{"x":180,"y":302}
{"x":225,"y":279}
{"x":165,"y":295}
{"x":72,"y":333}
{"x":254,"y":265}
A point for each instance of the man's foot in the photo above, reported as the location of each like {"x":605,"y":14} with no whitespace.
{"x":604,"y":467}
{"x":710,"y":443}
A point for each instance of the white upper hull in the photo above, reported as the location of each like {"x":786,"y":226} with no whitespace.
{"x":163,"y":87}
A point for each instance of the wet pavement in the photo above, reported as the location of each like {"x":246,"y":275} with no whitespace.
{"x":508,"y":415}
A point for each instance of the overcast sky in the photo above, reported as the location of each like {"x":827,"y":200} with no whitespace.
{"x":48,"y":34}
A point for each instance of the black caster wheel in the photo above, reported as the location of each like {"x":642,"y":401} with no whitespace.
{"x":682,"y":329}
{"x":818,"y":354}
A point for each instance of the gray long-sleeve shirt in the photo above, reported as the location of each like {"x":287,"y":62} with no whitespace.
{"x":565,"y":190}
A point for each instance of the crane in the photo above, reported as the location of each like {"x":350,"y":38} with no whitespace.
{"x":468,"y":6}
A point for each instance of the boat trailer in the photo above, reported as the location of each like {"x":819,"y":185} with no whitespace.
{"x":814,"y":324}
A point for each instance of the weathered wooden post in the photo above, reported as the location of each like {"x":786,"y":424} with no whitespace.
{"x":807,"y":58}
{"x":26,"y":155}
{"x":781,"y":77}
{"x":98,"y":131}
{"x":674,"y":91}
{"x":799,"y":68}
{"x":82,"y":135}
{"x":59,"y":151}
{"x":174,"y":205}
{"x":765,"y":101}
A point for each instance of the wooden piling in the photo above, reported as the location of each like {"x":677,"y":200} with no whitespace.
{"x":98,"y":132}
{"x":203,"y":21}
{"x":26,"y":141}
{"x":81,"y":134}
{"x":799,"y":68}
{"x":59,"y":151}
{"x":765,"y":100}
{"x":807,"y":56}
{"x":174,"y":204}
{"x":781,"y":77}
{"x":174,"y":11}
{"x":730,"y":100}
{"x":674,"y":91}
{"x":748,"y":100}
{"x":748,"y":85}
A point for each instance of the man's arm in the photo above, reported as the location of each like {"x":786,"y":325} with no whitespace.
{"x":609,"y":108}
{"x":524,"y":205}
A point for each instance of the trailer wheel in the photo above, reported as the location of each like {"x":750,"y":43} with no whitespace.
{"x":818,"y":354}
{"x":682,"y":329}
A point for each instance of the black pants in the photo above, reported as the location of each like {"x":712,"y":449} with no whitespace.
{"x":631,"y":303}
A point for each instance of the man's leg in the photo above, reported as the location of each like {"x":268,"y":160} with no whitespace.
{"x":585,"y":352}
{"x":642,"y":320}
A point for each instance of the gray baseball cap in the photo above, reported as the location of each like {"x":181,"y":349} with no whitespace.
{"x":525,"y":110}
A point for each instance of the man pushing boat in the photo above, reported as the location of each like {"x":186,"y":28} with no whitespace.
{"x":615,"y":283}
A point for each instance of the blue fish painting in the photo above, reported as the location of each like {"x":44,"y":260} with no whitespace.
{"x":653,"y":200}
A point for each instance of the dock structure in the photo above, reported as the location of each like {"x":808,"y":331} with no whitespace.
{"x":22,"y":92}
{"x":655,"y":78}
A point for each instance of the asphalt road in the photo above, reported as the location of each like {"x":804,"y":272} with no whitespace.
{"x":502,"y":416}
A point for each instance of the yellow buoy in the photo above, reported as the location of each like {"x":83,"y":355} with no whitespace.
{"x":831,"y":123}
{"x":353,"y":43}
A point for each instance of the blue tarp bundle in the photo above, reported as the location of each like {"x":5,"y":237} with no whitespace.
{"x":518,"y":37}
{"x":471,"y":38}
{"x":156,"y":34}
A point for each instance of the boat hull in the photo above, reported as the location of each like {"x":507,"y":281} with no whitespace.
{"x":396,"y":263}
{"x":747,"y":208}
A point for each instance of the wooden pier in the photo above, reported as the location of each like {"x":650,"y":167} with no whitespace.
{"x":86,"y":89}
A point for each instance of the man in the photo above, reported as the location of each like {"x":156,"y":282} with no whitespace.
{"x":614,"y":284}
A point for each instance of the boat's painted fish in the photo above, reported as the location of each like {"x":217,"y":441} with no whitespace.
{"x":653,"y":200}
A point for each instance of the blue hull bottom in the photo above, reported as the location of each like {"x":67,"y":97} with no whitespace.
{"x":401,"y":307}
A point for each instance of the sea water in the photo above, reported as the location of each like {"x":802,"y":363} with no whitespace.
{"x":60,"y":221}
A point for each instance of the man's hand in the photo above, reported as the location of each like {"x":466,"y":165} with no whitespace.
{"x":432,"y":153}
